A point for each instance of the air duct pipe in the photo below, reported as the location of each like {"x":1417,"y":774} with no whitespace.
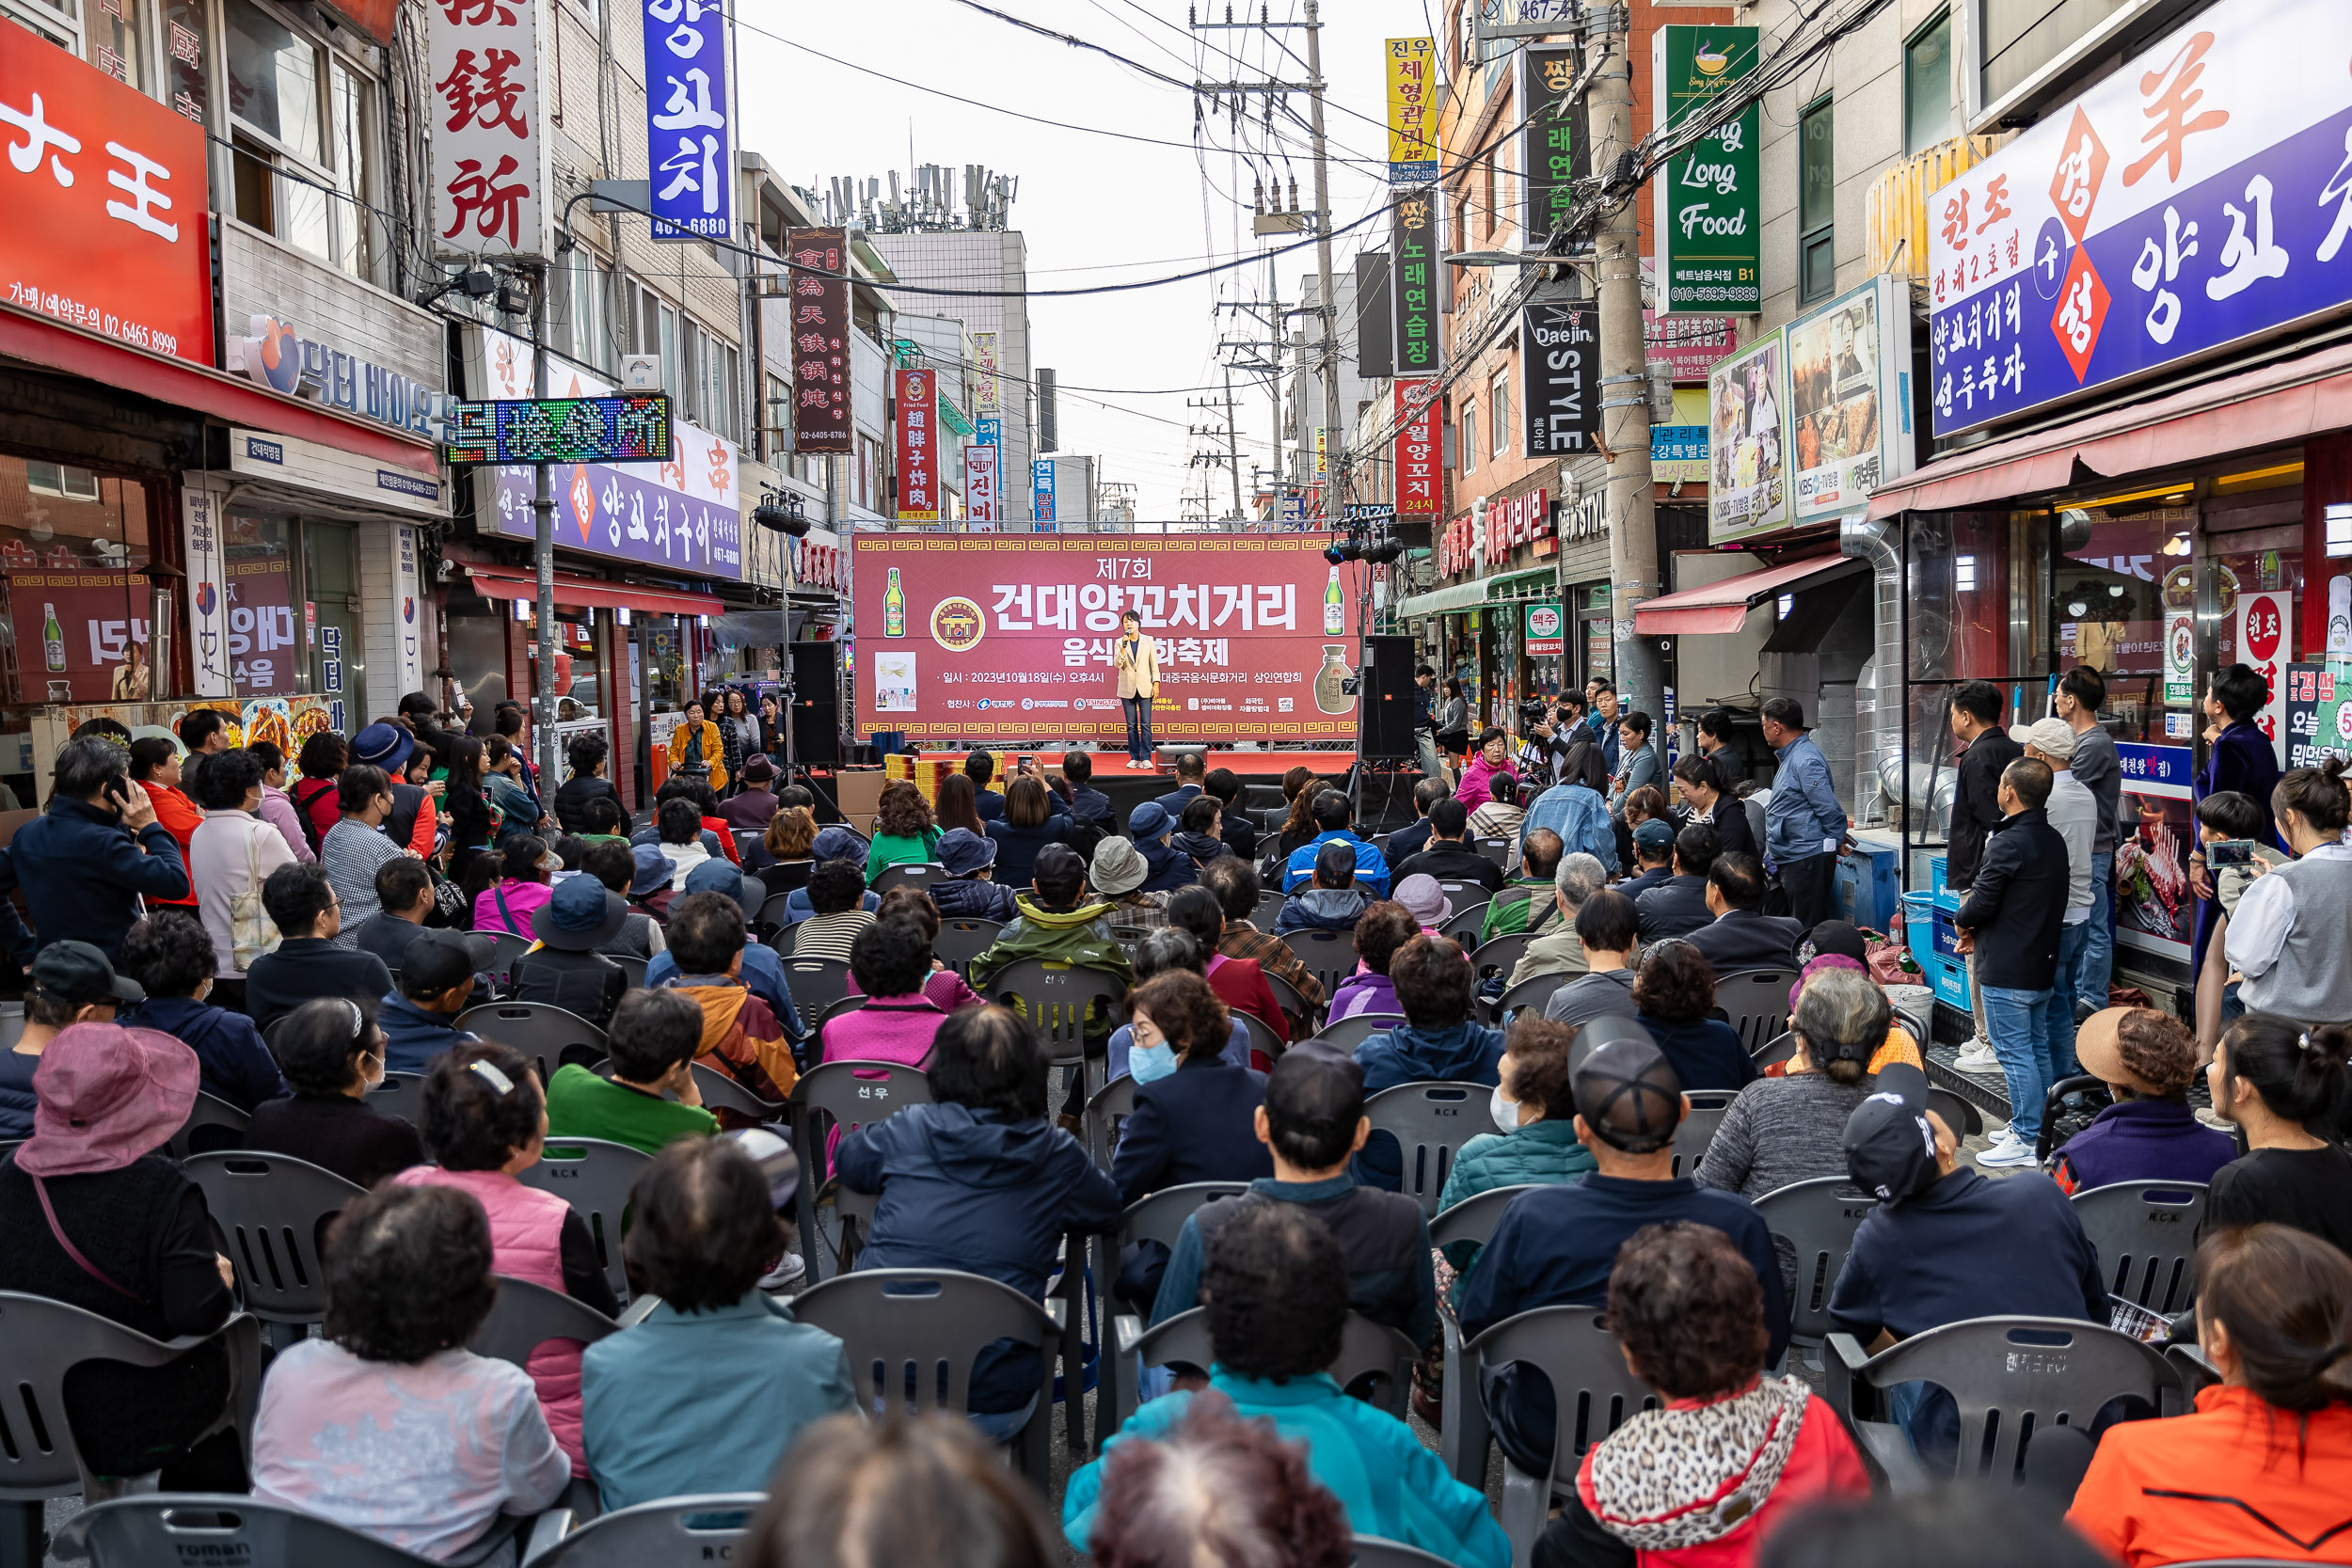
{"x":1877,"y":690}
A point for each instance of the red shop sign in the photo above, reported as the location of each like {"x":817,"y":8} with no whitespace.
{"x":1420,"y":454}
{"x":918,"y":446}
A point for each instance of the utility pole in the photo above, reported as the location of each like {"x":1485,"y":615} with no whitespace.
{"x":543,"y":531}
{"x":1232,"y":447}
{"x":1624,"y":382}
{"x":1335,"y":492}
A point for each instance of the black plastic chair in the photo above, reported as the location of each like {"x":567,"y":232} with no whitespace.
{"x":505,"y":947}
{"x":846,"y":1095}
{"x":1429,"y":1121}
{"x":271,"y":1209}
{"x":1466,"y":922}
{"x":1818,"y":1220}
{"x":721,"y":1092}
{"x":1757,"y":1002}
{"x":1533,"y":991}
{"x":1328,"y":956}
{"x":2053,"y":1108}
{"x":595,"y":1177}
{"x":402,"y":1095}
{"x":1780,"y":1047}
{"x":632,"y":967}
{"x":1369,"y":1351}
{"x":1109,"y":1106}
{"x":1592,"y":1387}
{"x":1155,"y":1217}
{"x":1474,"y":1219}
{"x":540,"y":1030}
{"x":771,"y":916}
{"x":2146,"y":1235}
{"x":213,"y":1125}
{"x":964,"y":939}
{"x":1292,"y":1000}
{"x":1373,"y":1551}
{"x":815,"y":984}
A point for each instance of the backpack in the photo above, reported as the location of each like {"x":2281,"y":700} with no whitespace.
{"x":306,"y":791}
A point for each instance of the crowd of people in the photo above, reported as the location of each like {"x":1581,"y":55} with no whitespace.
{"x":283,"y":941}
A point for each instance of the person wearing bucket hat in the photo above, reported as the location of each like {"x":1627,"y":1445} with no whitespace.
{"x":1424,"y":901}
{"x":1148,"y":825}
{"x":2148,"y":1060}
{"x":970,"y":889}
{"x":92,"y":1216}
{"x":563,"y":967}
{"x":412,"y":821}
{"x":1118,"y":873}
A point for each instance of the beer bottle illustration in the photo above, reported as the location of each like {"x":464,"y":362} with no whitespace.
{"x":53,"y":637}
{"x":893,"y":607}
{"x":1334,"y":613}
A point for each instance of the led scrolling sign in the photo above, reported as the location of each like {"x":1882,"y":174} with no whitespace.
{"x":625,"y":427}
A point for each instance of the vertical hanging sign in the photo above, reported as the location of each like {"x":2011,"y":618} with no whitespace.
{"x":207,"y":594}
{"x":1709,"y":218}
{"x":1560,"y":362}
{"x":1420,"y":452}
{"x":1412,"y":111}
{"x":1549,"y":142}
{"x":489,"y":142}
{"x":413,"y":608}
{"x":1041,"y":489}
{"x":817,"y":300}
{"x":986,"y":396}
{"x":690,"y":147}
{"x":1413,"y":288}
{"x":979,"y":487}
{"x":918,"y":446}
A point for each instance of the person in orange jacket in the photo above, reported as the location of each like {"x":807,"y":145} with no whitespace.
{"x":155,"y":768}
{"x":697,"y":751}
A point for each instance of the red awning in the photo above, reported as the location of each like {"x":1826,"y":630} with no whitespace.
{"x":2262,"y":408}
{"x":578,"y":593}
{"x":1724,"y":606}
{"x":183,"y":384}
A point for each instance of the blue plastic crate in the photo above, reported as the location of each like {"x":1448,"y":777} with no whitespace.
{"x":1935,"y":874}
{"x":1934,"y":947}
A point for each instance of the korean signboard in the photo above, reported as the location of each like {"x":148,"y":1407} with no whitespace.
{"x":1690,"y":345}
{"x":2197,"y":196}
{"x":1747,"y":492}
{"x":278,"y":357}
{"x":2264,"y":629}
{"x":1511,"y":521}
{"x":2319,"y":713}
{"x":1547,"y":144}
{"x":690,"y":147}
{"x":818,"y":325}
{"x":1546,"y":631}
{"x":1413,"y":285}
{"x":1709,"y":219}
{"x":1677,"y":454}
{"x":489,"y":136}
{"x":106,"y":199}
{"x":1560,"y":366}
{"x":681,"y":515}
{"x":918,"y":448}
{"x":622,"y":427}
{"x":407,"y":587}
{"x":1009,"y":636}
{"x":980,"y":485}
{"x":1041,"y":489}
{"x":1412,"y":111}
{"x":207,"y":564}
{"x":987,"y":394}
{"x":1850,"y":397}
{"x":1420,"y":452}
{"x":2153,"y":906}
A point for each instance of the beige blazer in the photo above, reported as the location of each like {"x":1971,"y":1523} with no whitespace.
{"x":1138,"y":677}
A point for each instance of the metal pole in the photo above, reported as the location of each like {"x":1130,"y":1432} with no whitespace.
{"x":1232,"y":446}
{"x":1624,"y":391}
{"x":1335,"y":492}
{"x":542,"y":521}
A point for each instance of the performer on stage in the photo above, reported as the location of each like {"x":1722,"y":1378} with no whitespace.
{"x":1136,"y":660}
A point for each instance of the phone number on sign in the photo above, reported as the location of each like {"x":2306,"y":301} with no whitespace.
{"x":89,"y":317}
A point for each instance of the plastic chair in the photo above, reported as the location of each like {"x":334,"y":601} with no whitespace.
{"x":1055,"y":997}
{"x":2146,"y":1235}
{"x":673,"y":1532}
{"x":1111,"y":1104}
{"x":846,"y":1004}
{"x":1368,"y":1351}
{"x":1818,"y":1219}
{"x":220,"y":1527}
{"x":41,"y":1341}
{"x":402,"y":1095}
{"x":1270,"y":902}
{"x":1960,"y":1115}
{"x":2008,"y":1375}
{"x":526,"y":1315}
{"x":1464,"y":924}
{"x":271,"y":1209}
{"x":1592,"y":1387}
{"x":1474,"y":1219}
{"x":909,"y":873}
{"x":1694,"y":1132}
{"x":2053,"y":1108}
{"x":1429,"y":1121}
{"x":846,"y":1095}
{"x":632,"y":967}
{"x":540,"y":1030}
{"x":1292,"y":1000}
{"x":1346,"y":1034}
{"x":213,"y":1124}
{"x":1757,"y":1002}
{"x":771,"y":918}
{"x":721,"y":1092}
{"x":1533,"y":991}
{"x":1503,"y":852}
{"x":505,"y":947}
{"x":962,"y":939}
{"x":1155,"y":1217}
{"x":1328,"y":956}
{"x":1465,"y":895}
{"x":911,"y":1335}
{"x":1373,"y":1551}
{"x":595,"y":1177}
{"x":1780,"y":1047}
{"x":815,"y":984}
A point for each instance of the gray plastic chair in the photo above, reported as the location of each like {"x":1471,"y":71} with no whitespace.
{"x":1270,"y":902}
{"x":526,"y":1315}
{"x":909,"y":873}
{"x":815,"y":984}
{"x":2008,"y":1375}
{"x":1817,"y":1219}
{"x":1496,"y":959}
{"x":41,"y":1341}
{"x":540,"y":1030}
{"x":1373,"y":1551}
{"x":674,"y":1532}
{"x":1328,"y":956}
{"x":402,"y":1095}
{"x":1533,"y":991}
{"x":721,"y":1092}
{"x":1054,"y":997}
{"x":1155,"y":1217}
{"x":2146,"y":1234}
{"x":1780,"y":1047}
{"x":847,"y":1095}
{"x":595,"y":1177}
{"x":1474,"y":1219}
{"x":771,"y":916}
{"x":911,"y":1335}
{"x":1465,"y":896}
{"x":1346,"y":1034}
{"x":1694,"y":1132}
{"x":1464,"y":924}
{"x":1757,"y":1002}
{"x":631,"y":966}
{"x":964,"y":939}
{"x":1292,"y":1000}
{"x":213,"y":1124}
{"x":1111,"y":1104}
{"x":224,"y":1528}
{"x":846,"y":1004}
{"x":1503,"y":852}
{"x":270,"y":1209}
{"x":1368,"y":1351}
{"x":1429,"y":1121}
{"x":505,"y":947}
{"x":1592,"y":1387}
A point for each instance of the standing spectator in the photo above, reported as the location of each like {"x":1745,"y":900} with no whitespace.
{"x":1561,"y":951}
{"x":203,"y":731}
{"x":472,"y":827}
{"x":1557,"y":1246}
{"x":1450,"y":856}
{"x":332,"y":1055}
{"x":1381,"y":931}
{"x":309,"y":960}
{"x":1803,"y":825}
{"x":436,"y":983}
{"x":1576,"y":808}
{"x":522,"y":891}
{"x":155,"y":766}
{"x":1235,"y":826}
{"x":1195,"y":1109}
{"x":1236,"y":884}
{"x":1535,"y":1141}
{"x":742,"y":1035}
{"x":1331,"y":902}
{"x":1527,"y":905}
{"x":357,"y":845}
{"x":565,"y":965}
{"x":1603,"y":722}
{"x":403,"y":894}
{"x":2280,"y":1082}
{"x":511,"y":720}
{"x":316,"y":794}
{"x":754,"y":805}
{"x":1676,"y":994}
{"x":485,"y":1123}
{"x":171,"y":959}
{"x":1680,"y":906}
{"x":2148,"y":1060}
{"x":1500,"y":817}
{"x":697,"y":751}
{"x":1718,"y":746}
{"x":2293,"y":924}
{"x":1608,"y":935}
{"x":1492,"y":762}
{"x":1945,"y":1244}
{"x":2241,"y":759}
{"x":1792,"y":1128}
{"x":1699,"y":782}
{"x":708,"y":1390}
{"x":1453,"y":716}
{"x":2228,"y":818}
{"x":904,"y":834}
{"x":1191,"y":770}
{"x":386,"y":1423}
{"x":1425,"y":722}
{"x":2074,"y":817}
{"x":1638,"y":765}
{"x":737,"y":734}
{"x":1740,"y":937}
{"x":588,"y":754}
{"x":1332,"y":817}
{"x":1653,"y":857}
{"x":891,"y":962}
{"x":2274,"y":1315}
{"x":508,"y":785}
{"x":1169,"y":868}
{"x":278,"y":810}
{"x":1976,"y":724}
{"x":1030,"y":823}
{"x":2011,"y":922}
{"x":412,"y":822}
{"x":651,"y":1101}
{"x":2081,"y":693}
{"x":232,"y":854}
{"x":72,"y":983}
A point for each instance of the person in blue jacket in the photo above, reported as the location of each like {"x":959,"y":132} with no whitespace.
{"x":83,"y":862}
{"x":1438,"y":1039}
{"x":172,"y":958}
{"x":1332,"y":814}
{"x":763,"y":967}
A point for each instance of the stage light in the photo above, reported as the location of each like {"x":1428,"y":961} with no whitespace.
{"x":1339,"y":552}
{"x":1383,"y":551}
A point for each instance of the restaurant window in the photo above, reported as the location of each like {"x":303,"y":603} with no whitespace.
{"x":1816,"y":204}
{"x":76,"y":604}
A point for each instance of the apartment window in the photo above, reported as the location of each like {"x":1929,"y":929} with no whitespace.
{"x":111,"y":34}
{"x":297,"y":123}
{"x":653,"y":328}
{"x":1816,"y":205}
{"x":775,"y":419}
{"x":1928,"y":85}
{"x":580,"y":326}
{"x":1499,"y":411}
{"x":1469,"y":439}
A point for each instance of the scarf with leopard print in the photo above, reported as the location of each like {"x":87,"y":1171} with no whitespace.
{"x":1671,"y":1479}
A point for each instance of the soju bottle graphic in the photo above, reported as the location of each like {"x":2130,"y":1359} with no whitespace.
{"x":1334,"y":611}
{"x":53,"y":637}
{"x":893,"y":607}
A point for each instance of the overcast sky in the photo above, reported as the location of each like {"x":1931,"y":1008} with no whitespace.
{"x":1094,"y":209}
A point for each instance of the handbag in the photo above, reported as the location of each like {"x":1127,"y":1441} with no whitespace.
{"x":251,"y":931}
{"x":451,"y":911}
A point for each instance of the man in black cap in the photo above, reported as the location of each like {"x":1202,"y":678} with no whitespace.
{"x":563,"y":967}
{"x":1313,"y":1122}
{"x":1945,"y":1244}
{"x":1555,"y":1246}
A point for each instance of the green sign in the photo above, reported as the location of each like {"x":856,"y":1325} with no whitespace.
{"x":1548,"y":150}
{"x":1709,"y":215}
{"x":1546,"y":631}
{"x":1414,"y":285}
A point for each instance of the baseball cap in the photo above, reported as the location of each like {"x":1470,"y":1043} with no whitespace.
{"x":77,"y":974}
{"x":1624,"y":1087}
{"x":1890,"y":1145}
{"x":2053,"y":738}
{"x":1655,"y":833}
{"x":1309,"y":1090}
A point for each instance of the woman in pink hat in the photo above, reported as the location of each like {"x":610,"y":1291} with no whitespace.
{"x":91,"y":1217}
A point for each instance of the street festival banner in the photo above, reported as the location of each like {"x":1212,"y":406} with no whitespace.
{"x":1007,"y":636}
{"x":2197,"y":196}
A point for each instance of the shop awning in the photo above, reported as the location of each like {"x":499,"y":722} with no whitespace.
{"x":38,"y":341}
{"x":1723,"y":607}
{"x":1462,"y":597}
{"x":506,"y":582}
{"x":2262,"y":408}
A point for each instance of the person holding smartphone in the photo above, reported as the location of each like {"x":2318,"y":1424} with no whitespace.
{"x":2229,"y":825}
{"x":1136,"y":660}
{"x":94,"y":852}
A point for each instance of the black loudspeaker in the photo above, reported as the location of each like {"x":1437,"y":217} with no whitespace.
{"x":1384,"y":698}
{"x":815,"y":704}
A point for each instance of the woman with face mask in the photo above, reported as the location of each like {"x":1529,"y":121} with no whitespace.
{"x":332,"y":1054}
{"x":1196,"y":1115}
{"x":1534,"y":1138}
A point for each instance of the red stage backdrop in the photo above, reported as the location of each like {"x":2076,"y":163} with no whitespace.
{"x":1008,"y":637}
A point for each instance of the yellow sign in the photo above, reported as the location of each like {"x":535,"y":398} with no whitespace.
{"x":1412,"y":111}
